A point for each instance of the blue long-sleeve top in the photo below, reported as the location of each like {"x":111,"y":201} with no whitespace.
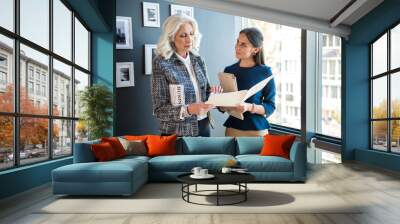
{"x":246,"y":78}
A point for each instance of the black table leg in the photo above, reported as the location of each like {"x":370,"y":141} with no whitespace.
{"x":217,"y":194}
{"x":245,"y":193}
{"x":182,"y":190}
{"x":188,"y":190}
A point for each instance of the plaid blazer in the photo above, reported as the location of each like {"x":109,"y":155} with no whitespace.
{"x":173,"y":71}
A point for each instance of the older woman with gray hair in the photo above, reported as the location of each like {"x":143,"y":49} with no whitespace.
{"x":180,"y":84}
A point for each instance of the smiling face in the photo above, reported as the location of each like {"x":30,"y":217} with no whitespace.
{"x":184,"y":39}
{"x":244,"y":49}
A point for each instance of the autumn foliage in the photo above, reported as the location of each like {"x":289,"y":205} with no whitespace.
{"x":380,"y":127}
{"x":33,"y":131}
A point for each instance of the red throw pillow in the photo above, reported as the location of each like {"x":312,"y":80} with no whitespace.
{"x":103,"y":151}
{"x":161,"y":145}
{"x":277,"y":145}
{"x":116,"y":145}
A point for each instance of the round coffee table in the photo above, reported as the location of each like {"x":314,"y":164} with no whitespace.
{"x":238,"y":179}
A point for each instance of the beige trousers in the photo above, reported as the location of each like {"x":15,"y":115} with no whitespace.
{"x":232,"y":132}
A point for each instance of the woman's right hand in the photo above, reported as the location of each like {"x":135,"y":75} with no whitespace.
{"x":199,"y":108}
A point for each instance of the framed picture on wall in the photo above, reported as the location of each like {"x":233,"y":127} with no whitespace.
{"x":149,"y":54}
{"x":151,"y":14}
{"x":181,"y":9}
{"x":124,"y":74}
{"x":124,"y":33}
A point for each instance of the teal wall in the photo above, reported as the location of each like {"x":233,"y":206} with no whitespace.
{"x":356,"y":84}
{"x":99,"y":15}
{"x":24,"y":178}
{"x":103,"y":51}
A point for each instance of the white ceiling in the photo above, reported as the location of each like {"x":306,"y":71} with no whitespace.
{"x":313,"y":15}
{"x":320,"y":9}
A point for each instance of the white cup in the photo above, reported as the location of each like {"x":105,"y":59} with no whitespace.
{"x":203,"y":172}
{"x":196,"y":170}
{"x":226,"y":170}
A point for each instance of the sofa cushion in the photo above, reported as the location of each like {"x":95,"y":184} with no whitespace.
{"x":161,"y":145}
{"x":83,"y":153}
{"x":116,"y":145}
{"x":112,"y":171}
{"x":277,"y":145}
{"x":133,"y":157}
{"x":249,"y":145}
{"x":136,"y":137}
{"x":185,"y":163}
{"x":103,"y":152}
{"x":257,"y":163}
{"x":207,"y":145}
{"x":134,"y":147}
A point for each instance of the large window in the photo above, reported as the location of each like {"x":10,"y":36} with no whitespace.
{"x":328,"y":84}
{"x":282,"y":47}
{"x":385,"y":96}
{"x":7,"y":14}
{"x":34,"y":21}
{"x":40,"y":123}
{"x":283,"y":53}
{"x":62,"y":30}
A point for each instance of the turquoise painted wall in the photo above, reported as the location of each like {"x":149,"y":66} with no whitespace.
{"x":356,"y":82}
{"x":103,"y":51}
{"x":24,"y":178}
{"x":99,"y":15}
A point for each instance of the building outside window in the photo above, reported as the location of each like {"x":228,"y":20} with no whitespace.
{"x":30,"y":87}
{"x":34,"y":83}
{"x":287,"y":54}
{"x":329,"y":100}
{"x":3,"y":78}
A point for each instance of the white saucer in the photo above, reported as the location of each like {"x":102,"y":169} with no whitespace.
{"x":208,"y":176}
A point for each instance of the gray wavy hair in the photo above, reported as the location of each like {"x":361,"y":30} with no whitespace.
{"x":170,"y":28}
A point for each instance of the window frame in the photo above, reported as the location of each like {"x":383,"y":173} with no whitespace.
{"x":16,"y":114}
{"x":388,"y":74}
{"x":308,"y":129}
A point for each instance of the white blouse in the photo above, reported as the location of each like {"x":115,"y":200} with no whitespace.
{"x":186,"y":61}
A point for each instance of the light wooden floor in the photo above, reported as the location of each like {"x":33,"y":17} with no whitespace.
{"x":379,"y":189}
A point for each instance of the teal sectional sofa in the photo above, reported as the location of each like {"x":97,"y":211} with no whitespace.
{"x":125,"y":176}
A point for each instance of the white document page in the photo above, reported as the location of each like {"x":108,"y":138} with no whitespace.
{"x":226,"y":99}
{"x":231,"y":99}
{"x":257,"y":87}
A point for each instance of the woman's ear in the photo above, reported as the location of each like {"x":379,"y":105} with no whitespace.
{"x":256,"y":50}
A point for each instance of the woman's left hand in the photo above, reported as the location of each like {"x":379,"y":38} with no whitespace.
{"x":243,"y":107}
{"x":216,"y":89}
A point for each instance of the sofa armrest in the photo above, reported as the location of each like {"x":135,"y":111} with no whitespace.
{"x":299,"y":158}
{"x":83,"y":152}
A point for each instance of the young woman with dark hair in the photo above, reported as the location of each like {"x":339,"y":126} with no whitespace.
{"x":249,"y":70}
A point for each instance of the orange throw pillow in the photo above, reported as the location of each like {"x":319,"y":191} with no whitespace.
{"x":116,"y":145}
{"x":277,"y":145}
{"x":161,"y":145}
{"x":103,"y":152}
{"x":135,"y":137}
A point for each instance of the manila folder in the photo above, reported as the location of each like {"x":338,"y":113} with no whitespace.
{"x":228,"y":82}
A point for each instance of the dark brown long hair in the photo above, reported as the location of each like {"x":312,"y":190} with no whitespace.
{"x":256,"y":38}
